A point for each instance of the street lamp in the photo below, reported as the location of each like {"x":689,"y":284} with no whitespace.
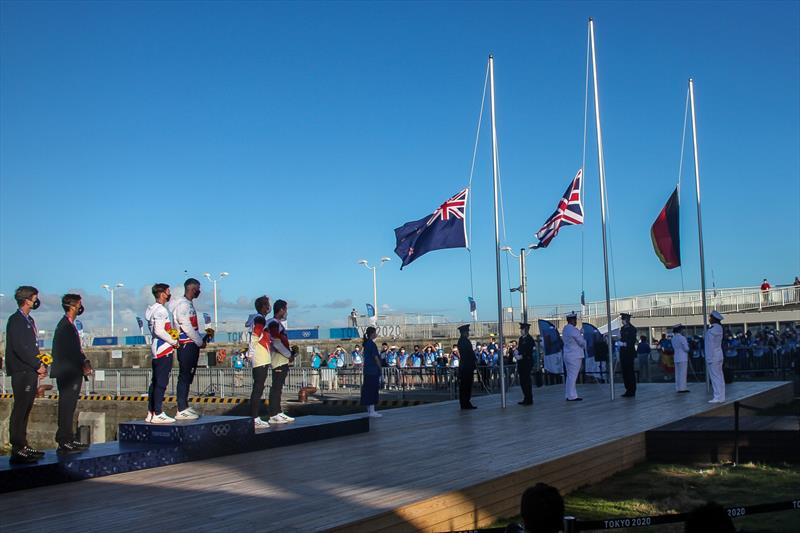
{"x":523,"y":277}
{"x":214,"y":281}
{"x":111,"y":290}
{"x":374,"y":269}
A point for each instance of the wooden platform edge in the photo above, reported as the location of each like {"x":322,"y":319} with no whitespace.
{"x":482,"y":504}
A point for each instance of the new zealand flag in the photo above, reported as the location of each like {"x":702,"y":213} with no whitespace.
{"x":445,"y":228}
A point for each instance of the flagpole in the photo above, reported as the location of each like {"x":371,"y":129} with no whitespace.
{"x":496,"y":176}
{"x":602,"y":173}
{"x":699,"y":221}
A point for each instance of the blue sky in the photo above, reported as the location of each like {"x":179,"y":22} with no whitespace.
{"x":281,"y":142}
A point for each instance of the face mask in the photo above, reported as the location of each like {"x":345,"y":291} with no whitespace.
{"x":169,"y":296}
{"x":80,"y":310}
{"x":36,"y":304}
{"x":197,"y":293}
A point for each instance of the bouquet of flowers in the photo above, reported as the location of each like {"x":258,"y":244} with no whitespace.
{"x":174,"y":333}
{"x":209,"y":335}
{"x":45,"y":358}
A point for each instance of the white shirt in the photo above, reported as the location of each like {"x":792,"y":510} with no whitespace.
{"x":159,"y":322}
{"x":681,"y":347}
{"x":574,"y":343}
{"x":186,"y":319}
{"x":713,"y":343}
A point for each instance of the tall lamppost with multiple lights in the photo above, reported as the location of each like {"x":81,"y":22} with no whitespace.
{"x":374,"y":269}
{"x":111,"y":290}
{"x":214,"y":281}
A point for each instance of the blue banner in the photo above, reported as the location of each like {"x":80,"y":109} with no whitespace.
{"x":105,"y":341}
{"x":370,"y":310}
{"x":343,"y":333}
{"x":302,"y":334}
{"x":550,"y":337}
{"x":133,"y":340}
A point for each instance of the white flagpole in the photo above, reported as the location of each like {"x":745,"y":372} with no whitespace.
{"x":699,"y":222}
{"x":602,"y":172}
{"x":496,"y":174}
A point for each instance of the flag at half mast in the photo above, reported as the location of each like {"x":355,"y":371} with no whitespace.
{"x":569,"y":212}
{"x":445,"y":228}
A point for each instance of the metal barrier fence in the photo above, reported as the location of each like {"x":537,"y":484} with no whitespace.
{"x":782,"y":362}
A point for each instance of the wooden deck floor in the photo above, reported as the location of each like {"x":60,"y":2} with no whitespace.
{"x":429,"y":467}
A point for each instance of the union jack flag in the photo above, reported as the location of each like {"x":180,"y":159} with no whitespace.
{"x":445,"y":228}
{"x":569,"y":212}
{"x":454,"y":206}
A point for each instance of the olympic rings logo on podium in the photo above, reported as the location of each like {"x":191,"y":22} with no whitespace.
{"x":221,"y":430}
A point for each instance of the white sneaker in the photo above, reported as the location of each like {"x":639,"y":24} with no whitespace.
{"x":375,"y":414}
{"x":162,"y":418}
{"x":149,"y":417}
{"x":260,"y":424}
{"x":277,"y":420}
{"x":716,"y":401}
{"x":186,"y":414}
{"x":285,"y":417}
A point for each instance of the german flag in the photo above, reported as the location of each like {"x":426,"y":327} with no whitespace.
{"x":666,"y":234}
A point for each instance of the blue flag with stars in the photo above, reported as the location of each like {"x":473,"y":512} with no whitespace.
{"x":445,"y":228}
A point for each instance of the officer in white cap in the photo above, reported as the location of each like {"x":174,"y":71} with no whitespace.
{"x":681,"y":347}
{"x":574,"y":346}
{"x":714,"y":356}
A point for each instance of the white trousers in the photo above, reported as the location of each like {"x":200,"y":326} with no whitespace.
{"x":680,"y":375}
{"x":573,"y":369}
{"x":717,"y":379}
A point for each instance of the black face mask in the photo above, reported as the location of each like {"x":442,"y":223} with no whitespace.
{"x":36,"y":304}
{"x":168,"y":297}
{"x":80,"y":310}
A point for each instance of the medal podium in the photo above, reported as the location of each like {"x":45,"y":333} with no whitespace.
{"x":142,"y":445}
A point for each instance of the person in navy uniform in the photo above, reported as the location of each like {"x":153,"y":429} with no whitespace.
{"x":70,"y":367}
{"x":466,"y":368}
{"x":525,"y":363}
{"x":25,"y":369}
{"x":627,"y":355}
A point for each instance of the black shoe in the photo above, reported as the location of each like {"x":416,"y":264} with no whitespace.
{"x":68,"y":447}
{"x":470,"y":406}
{"x":80,"y":445}
{"x":628,"y":395}
{"x":523,"y":402}
{"x":684,"y":391}
{"x":575,"y":400}
{"x":23,"y":457}
{"x":33,"y":451}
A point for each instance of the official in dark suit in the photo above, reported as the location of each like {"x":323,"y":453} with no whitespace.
{"x":466,"y":368}
{"x":525,"y":363}
{"x":627,"y":354}
{"x":25,"y":369}
{"x":69,"y":368}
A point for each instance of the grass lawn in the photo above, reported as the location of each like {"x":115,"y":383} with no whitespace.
{"x":651,"y":489}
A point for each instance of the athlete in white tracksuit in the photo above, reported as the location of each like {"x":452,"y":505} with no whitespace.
{"x":162,"y":348}
{"x":714,"y":357}
{"x":681,"y":347}
{"x":574,"y":346}
{"x":191,"y":342}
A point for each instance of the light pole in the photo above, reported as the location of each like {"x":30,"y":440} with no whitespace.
{"x":111,"y":290}
{"x":374,"y":269}
{"x":523,"y":277}
{"x":214,"y":281}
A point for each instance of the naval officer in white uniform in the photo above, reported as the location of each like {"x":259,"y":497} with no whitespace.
{"x":574,"y":346}
{"x":714,"y":357}
{"x":681,"y":347}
